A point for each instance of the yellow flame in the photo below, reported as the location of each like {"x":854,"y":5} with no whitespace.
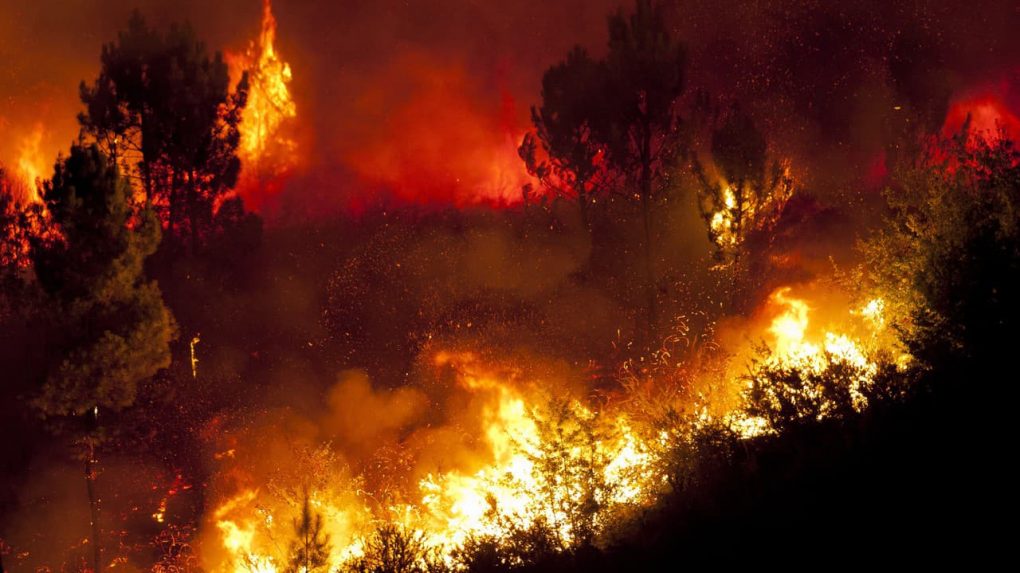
{"x":794,"y":348}
{"x":269,"y":99}
{"x":31,"y":164}
{"x":748,"y":208}
{"x":723,"y":221}
{"x":561,"y":464}
{"x":874,"y":312}
{"x":789,"y":326}
{"x":537,"y":471}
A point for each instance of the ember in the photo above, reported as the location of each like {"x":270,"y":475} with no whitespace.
{"x":451,"y":286}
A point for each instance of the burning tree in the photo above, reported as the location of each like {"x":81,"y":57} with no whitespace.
{"x":309,"y":552}
{"x":265,"y":151}
{"x":785,"y":393}
{"x":162,"y":108}
{"x":747,"y":198}
{"x":394,"y":549}
{"x":564,"y":128}
{"x":110,"y":329}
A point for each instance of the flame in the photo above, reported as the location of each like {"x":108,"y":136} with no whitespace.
{"x":555,"y":463}
{"x":267,"y":149}
{"x":722,"y":223}
{"x":792,"y":346}
{"x":789,"y":325}
{"x":194,"y":359}
{"x":748,"y":208}
{"x":796,"y":346}
{"x":176,"y":487}
{"x":543,"y":460}
{"x":515,"y":492}
{"x":32,"y":163}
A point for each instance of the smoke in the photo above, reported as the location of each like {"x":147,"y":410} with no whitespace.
{"x":424,"y":102}
{"x":391,"y":246}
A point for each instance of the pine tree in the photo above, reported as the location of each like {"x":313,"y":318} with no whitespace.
{"x":108,"y":329}
{"x":309,"y":552}
{"x":564,"y":126}
{"x":162,"y":107}
{"x":640,"y":127}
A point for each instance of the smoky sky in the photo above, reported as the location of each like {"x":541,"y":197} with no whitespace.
{"x":406,"y":86}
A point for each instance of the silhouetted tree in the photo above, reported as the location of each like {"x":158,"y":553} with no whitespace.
{"x":572,"y":469}
{"x":309,"y":552}
{"x":786,"y":395}
{"x":564,"y":126}
{"x":640,"y":128}
{"x":13,"y":229}
{"x":517,"y":549}
{"x":393,"y":549}
{"x":162,"y":107}
{"x":109,"y":329}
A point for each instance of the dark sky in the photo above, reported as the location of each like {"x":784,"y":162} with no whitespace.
{"x":394,"y":93}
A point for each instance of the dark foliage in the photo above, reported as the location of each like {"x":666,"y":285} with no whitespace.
{"x":392,"y":549}
{"x":309,"y":551}
{"x":163,"y":107}
{"x":110,"y":327}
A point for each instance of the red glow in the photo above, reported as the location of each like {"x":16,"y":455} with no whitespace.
{"x":988,"y":111}
{"x":877,"y":171}
{"x":426,"y":135}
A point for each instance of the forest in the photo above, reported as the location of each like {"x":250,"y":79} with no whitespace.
{"x":448,"y":286}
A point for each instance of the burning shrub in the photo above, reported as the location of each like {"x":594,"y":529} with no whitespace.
{"x":394,"y":549}
{"x":786,"y":393}
{"x":176,"y":554}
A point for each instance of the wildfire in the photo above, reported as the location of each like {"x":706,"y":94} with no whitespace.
{"x":801,"y":357}
{"x":722,"y":223}
{"x":554,"y":464}
{"x":987,"y":112}
{"x":792,"y":350}
{"x":536,"y":479}
{"x":543,"y":463}
{"x":736,"y":211}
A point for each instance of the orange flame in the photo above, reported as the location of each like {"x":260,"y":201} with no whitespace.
{"x":267,"y":149}
{"x":528,"y":474}
{"x":31,"y":163}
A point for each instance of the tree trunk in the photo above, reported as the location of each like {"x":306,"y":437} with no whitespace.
{"x":174,"y":206}
{"x":582,"y":205}
{"x":646,"y":219}
{"x":90,"y":484}
{"x":193,"y":211}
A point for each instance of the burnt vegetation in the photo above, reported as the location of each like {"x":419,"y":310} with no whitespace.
{"x":157,"y":335}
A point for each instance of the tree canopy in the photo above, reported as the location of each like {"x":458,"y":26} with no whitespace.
{"x":110,"y":327}
{"x":162,"y":107}
{"x":949,"y":257}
